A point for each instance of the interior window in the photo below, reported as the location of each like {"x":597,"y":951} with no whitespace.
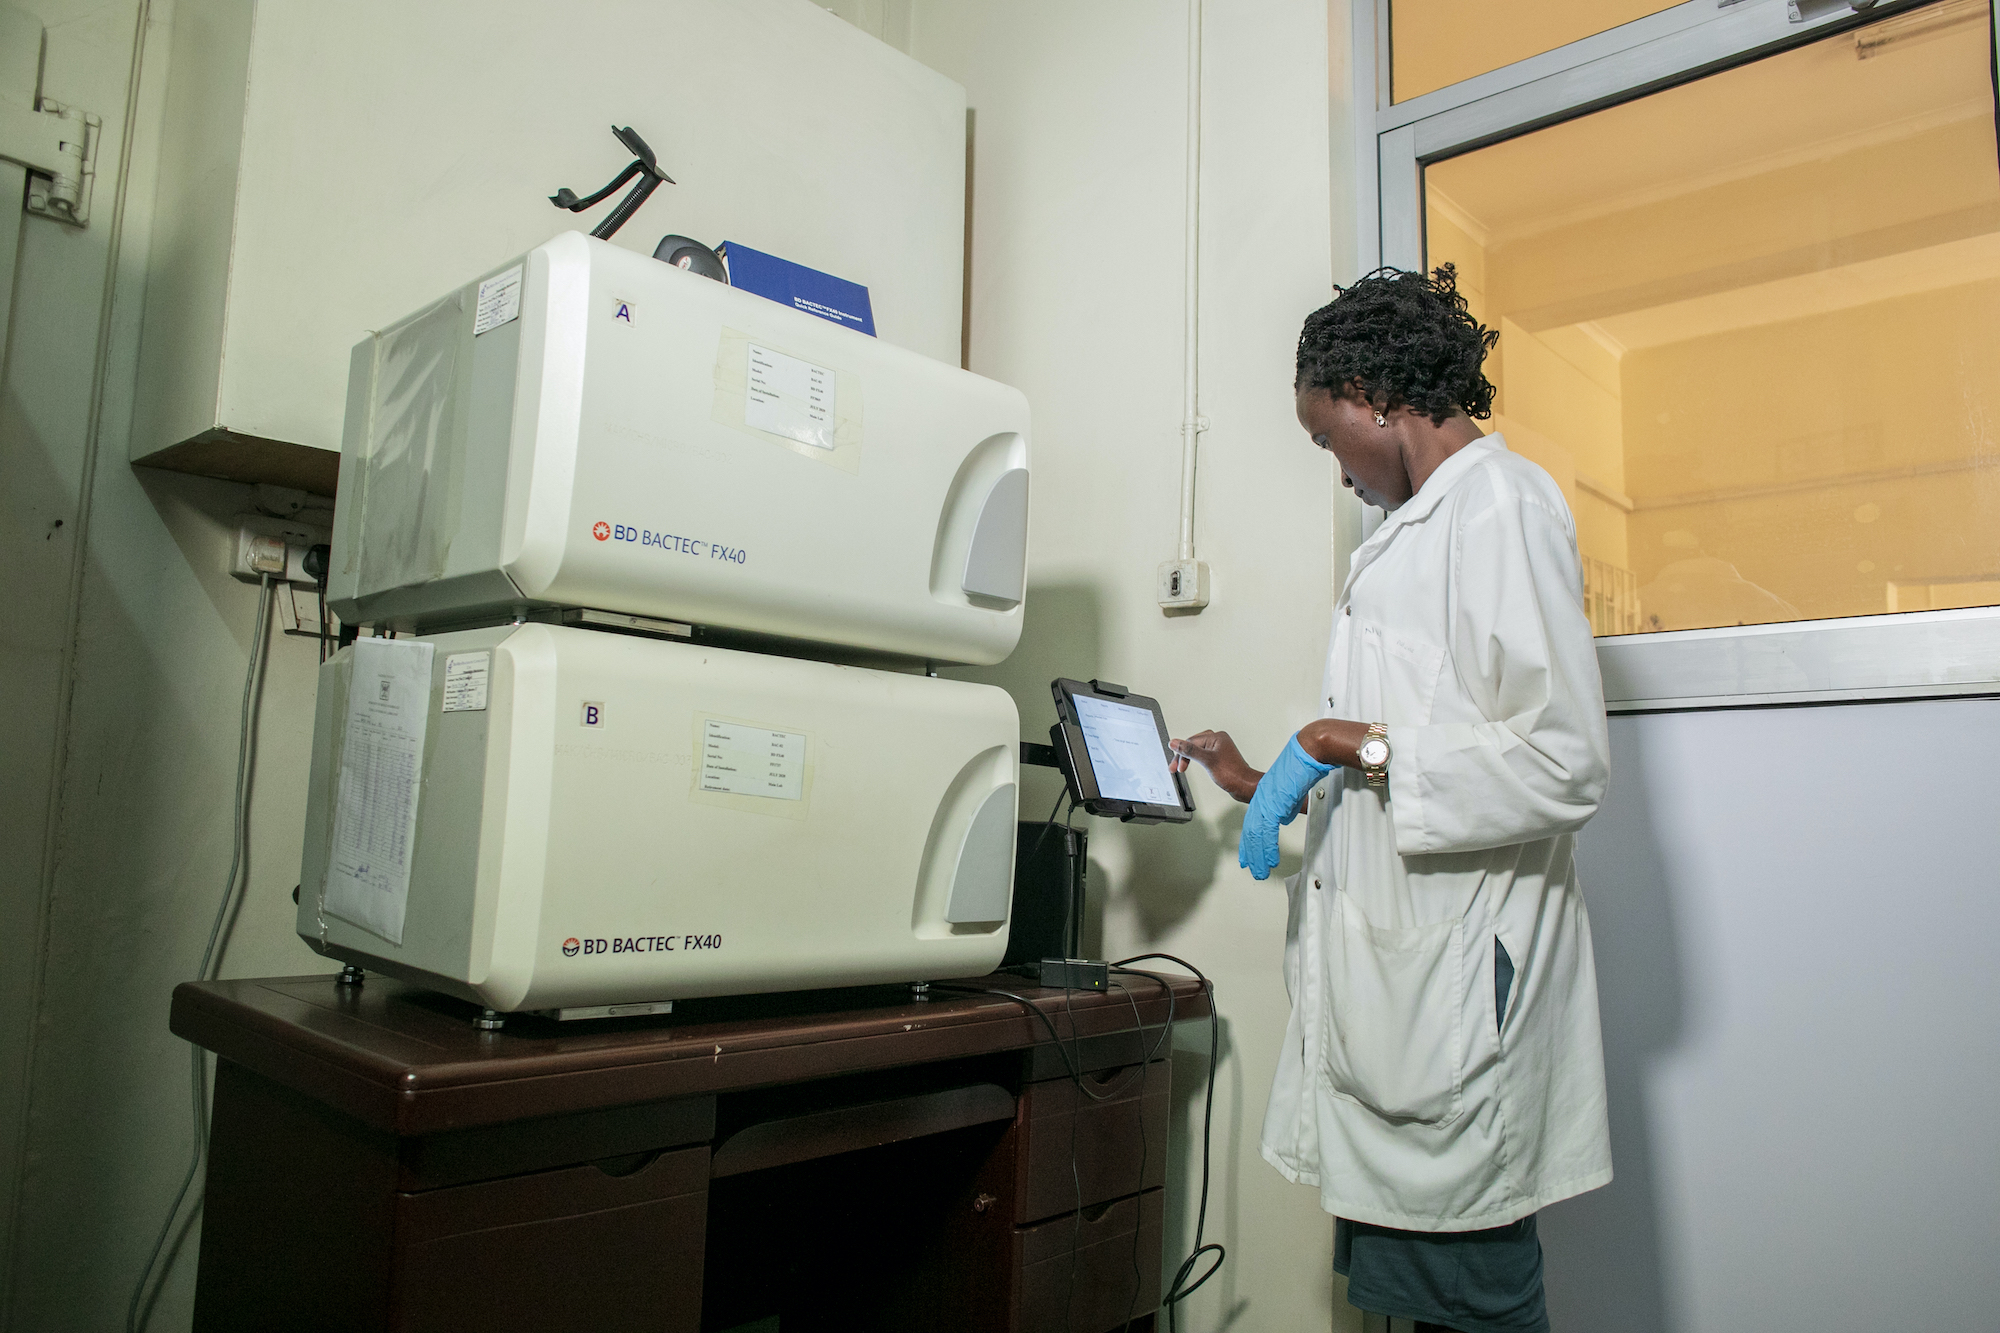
{"x":1751,"y":325}
{"x":1437,"y":42}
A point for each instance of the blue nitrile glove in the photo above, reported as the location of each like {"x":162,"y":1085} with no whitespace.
{"x":1276,"y":802}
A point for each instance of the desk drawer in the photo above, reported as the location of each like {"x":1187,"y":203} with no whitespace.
{"x":1109,"y":1242}
{"x":493,"y":1152}
{"x":580,"y":1248}
{"x":1113,"y":1139}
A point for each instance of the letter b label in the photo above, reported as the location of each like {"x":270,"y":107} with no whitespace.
{"x":593,"y":715}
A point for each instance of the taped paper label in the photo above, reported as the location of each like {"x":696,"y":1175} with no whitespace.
{"x":465,"y":676}
{"x":499,"y":301}
{"x":381,"y":770}
{"x":743,"y":760}
{"x":790,"y":397}
{"x":764,"y":415}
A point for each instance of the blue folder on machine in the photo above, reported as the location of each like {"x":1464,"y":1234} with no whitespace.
{"x":844,"y":303}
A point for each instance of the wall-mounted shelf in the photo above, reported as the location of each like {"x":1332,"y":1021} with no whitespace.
{"x":228,"y":456}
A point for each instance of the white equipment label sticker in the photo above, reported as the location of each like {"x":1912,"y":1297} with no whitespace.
{"x":465,"y":677}
{"x":499,"y":301}
{"x":381,"y":767}
{"x":752,"y":761}
{"x":790,"y":397}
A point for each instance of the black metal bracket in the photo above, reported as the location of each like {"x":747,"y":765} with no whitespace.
{"x":643,"y":165}
{"x":1039,"y":756}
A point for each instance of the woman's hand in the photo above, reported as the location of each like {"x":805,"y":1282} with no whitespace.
{"x":1214,"y":751}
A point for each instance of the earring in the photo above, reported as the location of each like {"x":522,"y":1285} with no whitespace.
{"x":1381,"y":420}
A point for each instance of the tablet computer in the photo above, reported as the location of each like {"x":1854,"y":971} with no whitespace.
{"x":1112,"y":747}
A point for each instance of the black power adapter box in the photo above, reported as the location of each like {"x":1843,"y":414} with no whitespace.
{"x":1076,"y":974}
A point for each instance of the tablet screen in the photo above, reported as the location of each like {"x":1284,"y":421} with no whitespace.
{"x":1125,"y":752}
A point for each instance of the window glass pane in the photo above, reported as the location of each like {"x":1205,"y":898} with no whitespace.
{"x":1752,"y":327}
{"x":1436,"y":42}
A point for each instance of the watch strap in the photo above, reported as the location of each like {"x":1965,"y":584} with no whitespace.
{"x":1377,"y":774}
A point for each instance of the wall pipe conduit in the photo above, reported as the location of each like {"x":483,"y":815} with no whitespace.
{"x":1192,"y":422}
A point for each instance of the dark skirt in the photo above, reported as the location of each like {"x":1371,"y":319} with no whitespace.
{"x":1472,"y":1281}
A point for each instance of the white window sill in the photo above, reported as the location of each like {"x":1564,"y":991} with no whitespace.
{"x":1919,"y":654}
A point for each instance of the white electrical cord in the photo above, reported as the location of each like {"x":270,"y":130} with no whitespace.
{"x":1192,"y":422}
{"x":239,"y":838}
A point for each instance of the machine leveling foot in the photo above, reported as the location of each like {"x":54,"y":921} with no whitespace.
{"x":350,"y":976}
{"x":489,"y":1021}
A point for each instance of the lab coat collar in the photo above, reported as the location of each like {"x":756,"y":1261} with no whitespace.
{"x":1420,"y":506}
{"x":1440,"y":482}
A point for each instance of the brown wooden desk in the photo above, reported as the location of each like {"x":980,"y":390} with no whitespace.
{"x":841,"y":1160}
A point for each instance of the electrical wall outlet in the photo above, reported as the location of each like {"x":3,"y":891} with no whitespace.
{"x":275,"y":546}
{"x":1183,"y":585}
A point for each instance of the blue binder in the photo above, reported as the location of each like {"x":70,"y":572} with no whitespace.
{"x":836,"y":299}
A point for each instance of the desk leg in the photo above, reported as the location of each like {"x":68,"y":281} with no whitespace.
{"x":296,"y":1228}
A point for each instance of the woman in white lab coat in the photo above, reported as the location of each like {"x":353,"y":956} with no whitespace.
{"x":1442,"y":1076}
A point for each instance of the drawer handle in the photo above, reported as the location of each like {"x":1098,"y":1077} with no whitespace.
{"x":631,"y":1164}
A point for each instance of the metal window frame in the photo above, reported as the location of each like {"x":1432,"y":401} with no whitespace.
{"x":1891,"y":656}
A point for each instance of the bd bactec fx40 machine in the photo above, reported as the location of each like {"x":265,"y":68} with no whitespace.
{"x":580,"y":486}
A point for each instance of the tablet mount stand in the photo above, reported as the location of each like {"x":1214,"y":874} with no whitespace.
{"x":1068,"y":973}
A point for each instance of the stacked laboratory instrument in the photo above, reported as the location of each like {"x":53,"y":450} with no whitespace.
{"x":621,"y":533}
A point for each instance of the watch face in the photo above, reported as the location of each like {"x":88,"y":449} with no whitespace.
{"x":1374,"y":753}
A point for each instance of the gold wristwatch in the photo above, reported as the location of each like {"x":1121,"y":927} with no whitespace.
{"x":1374,"y":755}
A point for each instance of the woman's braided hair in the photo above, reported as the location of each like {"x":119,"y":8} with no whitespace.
{"x":1402,"y":336}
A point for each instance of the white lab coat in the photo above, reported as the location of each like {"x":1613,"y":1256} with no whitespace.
{"x":1398,"y":1094}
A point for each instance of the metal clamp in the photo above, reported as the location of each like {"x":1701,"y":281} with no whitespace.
{"x":58,"y":146}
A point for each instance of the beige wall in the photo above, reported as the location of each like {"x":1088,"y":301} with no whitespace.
{"x":1076,"y":297}
{"x":127,"y":684}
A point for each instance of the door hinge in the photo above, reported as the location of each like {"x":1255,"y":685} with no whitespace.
{"x":58,"y":146}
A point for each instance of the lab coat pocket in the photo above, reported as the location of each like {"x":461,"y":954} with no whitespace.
{"x":1395,"y":1000}
{"x":1398,"y":677}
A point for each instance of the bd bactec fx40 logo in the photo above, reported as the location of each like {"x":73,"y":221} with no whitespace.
{"x":669,"y":543}
{"x":573,"y":946}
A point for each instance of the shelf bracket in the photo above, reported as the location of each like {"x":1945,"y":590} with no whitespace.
{"x":57,"y":145}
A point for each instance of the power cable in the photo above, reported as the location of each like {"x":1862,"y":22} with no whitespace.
{"x":238,"y":845}
{"x":1050,"y":822}
{"x":1181,"y":1288}
{"x":1072,"y":1059}
{"x":1075,"y":1172}
{"x":1138,"y":1195}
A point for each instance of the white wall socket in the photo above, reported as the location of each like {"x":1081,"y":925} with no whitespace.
{"x":1183,"y":585}
{"x":275,"y":546}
